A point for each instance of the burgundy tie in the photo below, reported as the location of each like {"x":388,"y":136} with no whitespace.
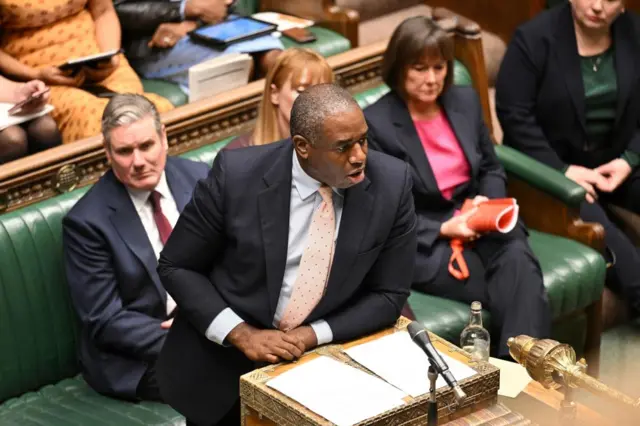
{"x":164,"y":227}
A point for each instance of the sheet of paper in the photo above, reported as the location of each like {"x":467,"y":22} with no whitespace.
{"x":7,"y":120}
{"x":403,"y":364}
{"x":513,"y":377}
{"x":336,"y":391}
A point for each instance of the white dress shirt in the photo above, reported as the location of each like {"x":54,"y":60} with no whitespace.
{"x":305,"y":199}
{"x":142,"y":204}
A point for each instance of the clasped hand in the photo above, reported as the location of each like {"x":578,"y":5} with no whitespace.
{"x":457,"y":227}
{"x":272,"y":345}
{"x":605,"y":178}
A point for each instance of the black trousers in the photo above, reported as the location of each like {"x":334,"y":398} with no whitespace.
{"x":505,"y":277}
{"x":232,"y":418}
{"x":148,"y":389}
{"x":624,"y":276}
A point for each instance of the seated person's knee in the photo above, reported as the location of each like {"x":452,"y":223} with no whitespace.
{"x":13,"y":143}
{"x":43,"y":134}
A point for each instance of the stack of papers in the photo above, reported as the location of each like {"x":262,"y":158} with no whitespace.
{"x":399,"y":361}
{"x":338,"y":392}
{"x":284,"y":22}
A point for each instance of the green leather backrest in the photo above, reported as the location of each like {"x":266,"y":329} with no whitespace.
{"x":246,"y":7}
{"x":37,"y":322}
{"x":38,"y":326}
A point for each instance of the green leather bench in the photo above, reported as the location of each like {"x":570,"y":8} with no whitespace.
{"x":39,"y":373}
{"x":328,"y":43}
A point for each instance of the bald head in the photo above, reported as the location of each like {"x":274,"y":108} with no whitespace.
{"x":314,"y":106}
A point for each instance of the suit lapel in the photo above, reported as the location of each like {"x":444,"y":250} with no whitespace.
{"x":178,"y":185}
{"x":127,"y":224}
{"x":464,"y":133}
{"x":358,"y":201}
{"x":626,"y":49}
{"x":407,"y":138}
{"x":569,"y":61}
{"x":274,"y":209}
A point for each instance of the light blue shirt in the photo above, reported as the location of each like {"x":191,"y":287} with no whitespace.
{"x":305,"y":199}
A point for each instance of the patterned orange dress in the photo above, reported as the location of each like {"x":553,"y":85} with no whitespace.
{"x":42,"y":33}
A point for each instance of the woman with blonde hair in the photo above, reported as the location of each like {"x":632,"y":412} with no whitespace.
{"x":293,"y":71}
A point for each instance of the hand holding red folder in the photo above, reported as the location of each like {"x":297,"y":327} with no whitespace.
{"x":497,"y":215}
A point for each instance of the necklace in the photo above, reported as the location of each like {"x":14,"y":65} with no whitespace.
{"x":596,"y":63}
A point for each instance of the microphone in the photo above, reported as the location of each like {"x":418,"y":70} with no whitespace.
{"x":421,"y":338}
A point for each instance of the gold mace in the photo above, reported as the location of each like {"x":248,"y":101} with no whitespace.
{"x":553,"y":364}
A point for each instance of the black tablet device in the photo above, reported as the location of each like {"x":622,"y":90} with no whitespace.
{"x":91,"y":61}
{"x":232,"y":31}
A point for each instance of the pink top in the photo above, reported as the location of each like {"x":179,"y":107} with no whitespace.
{"x":446,"y":157}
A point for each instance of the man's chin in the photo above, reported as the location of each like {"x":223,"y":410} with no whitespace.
{"x":144,"y":183}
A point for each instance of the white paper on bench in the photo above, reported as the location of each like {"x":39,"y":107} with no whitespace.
{"x":338,"y":392}
{"x":403,"y":364}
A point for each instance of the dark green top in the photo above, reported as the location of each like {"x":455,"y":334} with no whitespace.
{"x":601,"y":92}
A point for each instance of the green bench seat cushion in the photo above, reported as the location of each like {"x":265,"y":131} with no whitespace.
{"x":72,"y":402}
{"x":166,"y":89}
{"x":328,"y":43}
{"x":573,"y":276}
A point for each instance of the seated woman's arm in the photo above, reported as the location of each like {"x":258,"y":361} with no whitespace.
{"x":492,"y":177}
{"x":16,"y":69}
{"x":107,"y":24}
{"x":516,"y":94}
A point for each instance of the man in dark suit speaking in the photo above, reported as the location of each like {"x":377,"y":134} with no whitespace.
{"x":282,"y":248}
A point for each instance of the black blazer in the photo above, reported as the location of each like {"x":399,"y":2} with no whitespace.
{"x":229,"y":250}
{"x":115,"y":288}
{"x":540,"y":95}
{"x":391,"y":130}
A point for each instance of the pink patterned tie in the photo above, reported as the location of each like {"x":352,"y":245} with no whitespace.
{"x":315,"y":264}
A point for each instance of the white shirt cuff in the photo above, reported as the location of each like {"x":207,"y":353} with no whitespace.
{"x":222,"y":325}
{"x":323,"y":332}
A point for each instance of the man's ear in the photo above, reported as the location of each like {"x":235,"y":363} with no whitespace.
{"x":163,"y":137}
{"x":301,"y":145}
{"x":274,"y":94}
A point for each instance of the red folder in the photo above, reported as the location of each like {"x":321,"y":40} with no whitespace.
{"x":497,"y":215}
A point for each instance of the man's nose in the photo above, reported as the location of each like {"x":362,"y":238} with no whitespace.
{"x":138,"y":159}
{"x":358,"y":156}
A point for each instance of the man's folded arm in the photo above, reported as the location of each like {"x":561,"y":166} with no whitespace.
{"x":386,"y":286}
{"x":94,"y":291}
{"x":196,"y":241}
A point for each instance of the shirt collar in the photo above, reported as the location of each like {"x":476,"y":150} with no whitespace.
{"x":140,"y":197}
{"x":305,"y":184}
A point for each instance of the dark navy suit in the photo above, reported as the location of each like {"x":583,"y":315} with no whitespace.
{"x":116,"y":291}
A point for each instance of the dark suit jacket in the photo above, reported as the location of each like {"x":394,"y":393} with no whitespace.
{"x":391,"y":130}
{"x":111,"y":271}
{"x":540,"y":94}
{"x":229,"y":250}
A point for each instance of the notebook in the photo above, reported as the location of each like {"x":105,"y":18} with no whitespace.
{"x":7,"y":120}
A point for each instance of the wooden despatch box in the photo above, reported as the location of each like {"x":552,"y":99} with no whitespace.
{"x":264,"y":406}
